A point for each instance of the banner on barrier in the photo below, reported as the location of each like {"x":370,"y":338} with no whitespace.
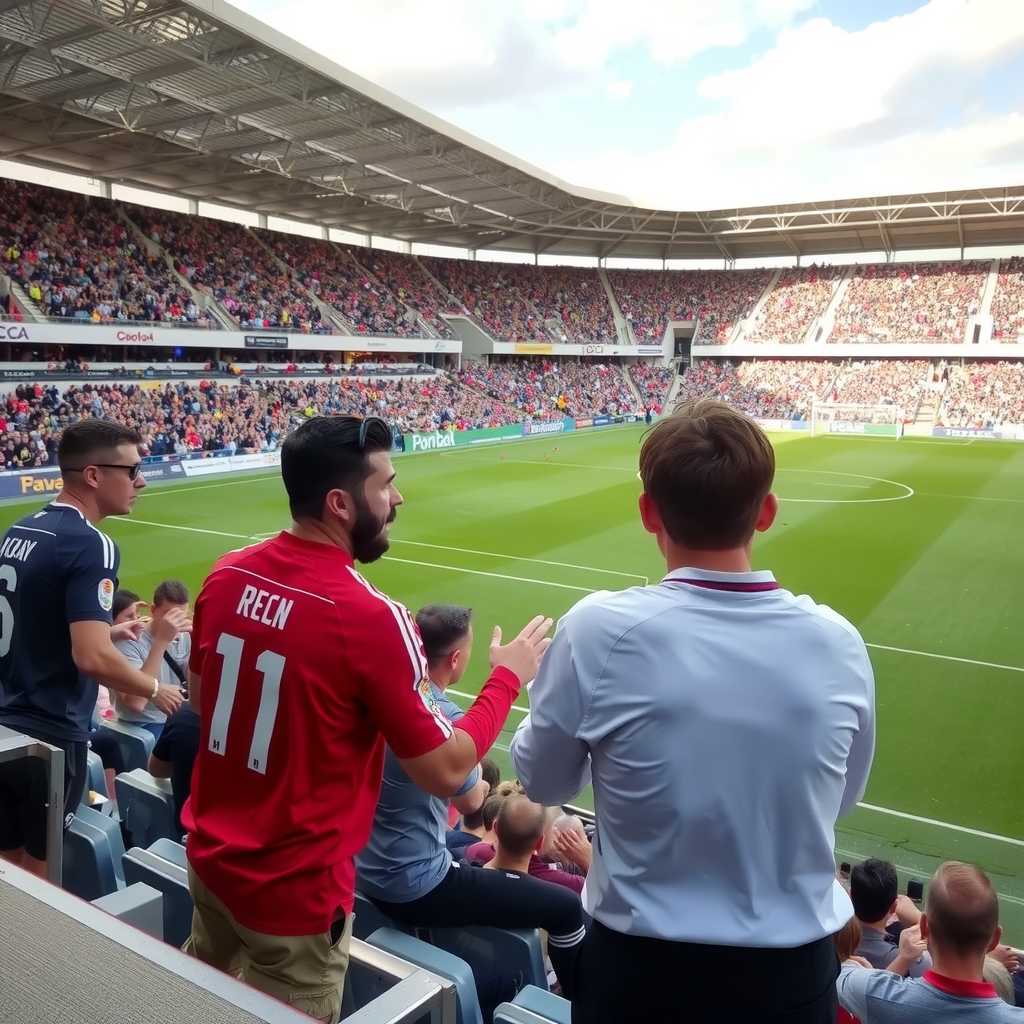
{"x":993,"y":435}
{"x":584,"y":423}
{"x":206,"y":467}
{"x":509,"y":433}
{"x":858,"y":427}
{"x":549,"y":427}
{"x":430,"y":442}
{"x":162,"y":471}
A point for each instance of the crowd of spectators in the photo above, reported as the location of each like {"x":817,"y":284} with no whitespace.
{"x":76,"y":260}
{"x":910,"y":302}
{"x":884,"y":382}
{"x":983,"y":395}
{"x":716,"y":299}
{"x":490,"y":293}
{"x":225,"y":261}
{"x":548,"y":388}
{"x":767,"y":388}
{"x":800,"y":296}
{"x":571,"y":301}
{"x":653,"y":382}
{"x":333,"y":273}
{"x":1008,"y":301}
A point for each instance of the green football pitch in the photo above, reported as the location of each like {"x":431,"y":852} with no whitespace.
{"x":918,"y":542}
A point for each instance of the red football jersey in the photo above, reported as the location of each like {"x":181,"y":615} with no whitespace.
{"x":306,"y":670}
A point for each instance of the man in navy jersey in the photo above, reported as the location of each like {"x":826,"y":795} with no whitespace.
{"x":58,"y":574}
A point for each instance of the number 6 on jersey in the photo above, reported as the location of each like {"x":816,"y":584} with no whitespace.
{"x":271,"y":665}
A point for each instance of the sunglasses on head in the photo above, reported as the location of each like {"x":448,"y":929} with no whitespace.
{"x":364,"y":428}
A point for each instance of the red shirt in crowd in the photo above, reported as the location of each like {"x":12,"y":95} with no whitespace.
{"x":306,"y":669}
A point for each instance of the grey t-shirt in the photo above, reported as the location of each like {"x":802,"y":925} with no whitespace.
{"x":137,"y":651}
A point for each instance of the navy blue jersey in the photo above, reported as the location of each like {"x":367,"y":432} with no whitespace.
{"x":55,"y":568}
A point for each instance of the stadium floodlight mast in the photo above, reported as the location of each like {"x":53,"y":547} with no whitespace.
{"x":856,"y":419}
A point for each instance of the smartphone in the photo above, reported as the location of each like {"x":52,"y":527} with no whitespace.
{"x":915,"y":890}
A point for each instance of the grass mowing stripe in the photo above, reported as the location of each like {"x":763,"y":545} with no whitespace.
{"x":495,"y":575}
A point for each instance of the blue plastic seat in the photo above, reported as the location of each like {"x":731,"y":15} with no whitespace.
{"x":146,"y":806}
{"x":170,"y":850}
{"x":97,"y":779}
{"x":92,"y":852}
{"x":500,"y":950}
{"x":136,"y":744}
{"x":170,"y":879}
{"x":545,"y":1004}
{"x":437,"y":961}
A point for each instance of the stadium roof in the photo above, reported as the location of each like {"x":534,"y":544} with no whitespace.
{"x":197,"y":99}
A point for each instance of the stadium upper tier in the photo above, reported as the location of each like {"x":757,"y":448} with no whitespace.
{"x":90,"y":259}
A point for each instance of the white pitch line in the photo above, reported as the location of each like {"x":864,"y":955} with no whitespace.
{"x":560,"y":586}
{"x":520,"y":558}
{"x":947,"y":657}
{"x":943,"y":824}
{"x":495,"y":575}
{"x":188,"y":529}
{"x":868,"y":807}
{"x":538,"y":462}
{"x":971,"y":497}
{"x":205,"y":487}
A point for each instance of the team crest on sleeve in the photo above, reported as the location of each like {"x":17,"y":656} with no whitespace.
{"x":105,"y":593}
{"x":430,"y":701}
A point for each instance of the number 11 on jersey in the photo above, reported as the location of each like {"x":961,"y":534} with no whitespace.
{"x":271,"y":666}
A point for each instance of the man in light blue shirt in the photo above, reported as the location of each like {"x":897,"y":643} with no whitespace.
{"x":726,"y":725}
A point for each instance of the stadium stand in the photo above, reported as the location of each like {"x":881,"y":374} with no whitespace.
{"x":1008,"y":301}
{"x":78,"y":261}
{"x":983,"y":395}
{"x":799,"y":297}
{"x":227,"y":262}
{"x":909,"y":302}
{"x":717,"y":299}
{"x":652,"y":381}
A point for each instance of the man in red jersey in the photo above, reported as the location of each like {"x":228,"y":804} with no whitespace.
{"x":300,"y":671}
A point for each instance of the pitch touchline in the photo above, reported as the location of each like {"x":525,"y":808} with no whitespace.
{"x":495,"y":575}
{"x":947,"y":657}
{"x":867,"y":807}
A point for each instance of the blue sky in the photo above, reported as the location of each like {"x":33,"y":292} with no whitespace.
{"x":704,"y":103}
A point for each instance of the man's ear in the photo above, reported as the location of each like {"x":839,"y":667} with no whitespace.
{"x":926,"y":928}
{"x":341,"y":504}
{"x":769,"y":510}
{"x":649,"y":514}
{"x":995,"y":938}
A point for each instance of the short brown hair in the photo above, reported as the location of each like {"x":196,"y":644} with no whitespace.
{"x":708,"y":469}
{"x":963,"y":909}
{"x":171,"y":592}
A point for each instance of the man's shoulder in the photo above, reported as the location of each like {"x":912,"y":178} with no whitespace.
{"x":822,"y":616}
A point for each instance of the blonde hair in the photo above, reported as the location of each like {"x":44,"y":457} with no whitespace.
{"x":999,"y":977}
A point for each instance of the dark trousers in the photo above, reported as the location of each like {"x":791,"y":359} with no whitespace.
{"x":505,"y":899}
{"x":631,"y":978}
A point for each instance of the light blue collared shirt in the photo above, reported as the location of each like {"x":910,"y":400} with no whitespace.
{"x":727,"y":724}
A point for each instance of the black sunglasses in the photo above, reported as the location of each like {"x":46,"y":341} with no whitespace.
{"x":133,"y":470}
{"x":365,"y":426}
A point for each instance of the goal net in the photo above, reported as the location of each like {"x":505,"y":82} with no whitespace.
{"x":863,"y":420}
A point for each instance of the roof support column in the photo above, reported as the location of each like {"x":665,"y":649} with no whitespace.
{"x":106,"y":189}
{"x":325,"y":232}
{"x":471,"y":254}
{"x":193,"y":208}
{"x":261,"y":221}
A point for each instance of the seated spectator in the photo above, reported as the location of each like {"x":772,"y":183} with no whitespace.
{"x":161,"y":650}
{"x":474,"y":827}
{"x":874,"y":891}
{"x":174,"y":756}
{"x":960,"y":926}
{"x":407,"y":871}
{"x":571,"y":843}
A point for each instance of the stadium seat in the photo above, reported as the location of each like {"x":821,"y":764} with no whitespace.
{"x":171,"y":851}
{"x":367,"y":918}
{"x":92,"y":851}
{"x":139,"y":905}
{"x":170,"y":879}
{"x":146,"y":807}
{"x":97,"y":780}
{"x":136,"y":744}
{"x":501,"y":950}
{"x":544,"y":1003}
{"x":509,"y":1013}
{"x":437,"y":961}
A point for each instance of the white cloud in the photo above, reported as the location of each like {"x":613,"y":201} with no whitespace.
{"x":830,"y":114}
{"x":618,"y":92}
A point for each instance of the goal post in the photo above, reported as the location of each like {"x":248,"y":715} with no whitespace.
{"x":856,"y":419}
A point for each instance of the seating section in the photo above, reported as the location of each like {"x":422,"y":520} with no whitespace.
{"x":983,"y":394}
{"x":78,"y":261}
{"x":227,"y":261}
{"x":333,"y":274}
{"x":169,"y":877}
{"x":653,"y":383}
{"x":800,"y":296}
{"x":883,"y":382}
{"x":498,"y":950}
{"x":548,"y":388}
{"x":93,"y":852}
{"x":910,"y":302}
{"x":716,"y":299}
{"x":136,"y":744}
{"x":1008,"y":301}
